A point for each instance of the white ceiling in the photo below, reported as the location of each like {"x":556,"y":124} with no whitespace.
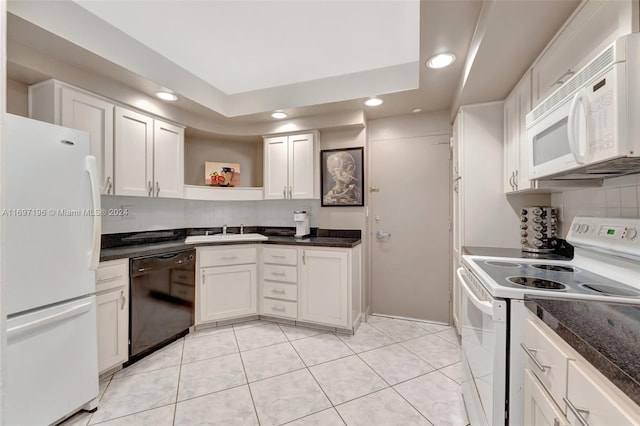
{"x":223,"y":59}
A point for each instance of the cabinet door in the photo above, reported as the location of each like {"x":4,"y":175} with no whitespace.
{"x":523,"y":99}
{"x":323,"y":293}
{"x":113,"y":327}
{"x":511,"y":141}
{"x":539,"y":408}
{"x":94,"y":116}
{"x":134,"y":153}
{"x":276,"y":160}
{"x":227,"y":292}
{"x":593,"y":26}
{"x":302,"y":166}
{"x":594,"y":401}
{"x":168,"y":160}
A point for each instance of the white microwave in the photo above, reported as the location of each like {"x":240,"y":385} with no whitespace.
{"x":589,"y":128}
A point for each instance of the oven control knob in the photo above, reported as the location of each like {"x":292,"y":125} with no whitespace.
{"x":583,"y":228}
{"x":576,"y":227}
{"x":631,"y":233}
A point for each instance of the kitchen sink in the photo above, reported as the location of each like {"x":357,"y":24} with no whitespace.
{"x":220,"y":238}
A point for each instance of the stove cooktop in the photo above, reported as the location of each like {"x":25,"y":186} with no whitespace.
{"x":516,"y":277}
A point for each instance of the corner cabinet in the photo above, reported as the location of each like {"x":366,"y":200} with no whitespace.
{"x":112,"y":299}
{"x":149,"y":156}
{"x":55,"y":102}
{"x":291,"y":169}
{"x":227,"y":283}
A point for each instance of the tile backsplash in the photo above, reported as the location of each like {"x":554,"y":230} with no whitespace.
{"x":147,"y":214}
{"x":618,"y":197}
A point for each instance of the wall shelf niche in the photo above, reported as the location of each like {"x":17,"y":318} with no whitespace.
{"x":201,"y":147}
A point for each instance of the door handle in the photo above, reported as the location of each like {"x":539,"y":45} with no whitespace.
{"x":157,"y":189}
{"x":381,"y":235}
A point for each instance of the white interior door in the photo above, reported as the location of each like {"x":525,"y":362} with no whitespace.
{"x":410,"y":225}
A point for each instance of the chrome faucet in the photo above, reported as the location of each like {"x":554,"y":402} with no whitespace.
{"x":241,"y":229}
{"x":224,"y":229}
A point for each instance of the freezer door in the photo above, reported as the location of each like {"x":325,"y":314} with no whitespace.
{"x":52,"y":360}
{"x":51,"y":230}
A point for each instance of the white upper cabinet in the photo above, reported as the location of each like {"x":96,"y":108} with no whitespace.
{"x":516,"y":107}
{"x":290,"y":166}
{"x":149,"y":156}
{"x":168,"y":159}
{"x":60,"y":104}
{"x":591,"y":28}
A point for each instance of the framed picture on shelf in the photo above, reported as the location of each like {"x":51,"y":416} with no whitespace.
{"x":342,"y":177}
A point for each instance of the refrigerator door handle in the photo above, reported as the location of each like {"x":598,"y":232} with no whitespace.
{"x":94,"y":253}
{"x":19,"y":330}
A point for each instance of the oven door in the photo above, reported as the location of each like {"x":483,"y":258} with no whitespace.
{"x":484,"y":350}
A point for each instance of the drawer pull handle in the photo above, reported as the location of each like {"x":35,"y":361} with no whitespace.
{"x":274,"y":291}
{"x":278,"y":308}
{"x":278,"y":256}
{"x":229,"y":257}
{"x":278,"y":274}
{"x":108,"y":279}
{"x":531,"y":353}
{"x":576,"y":411}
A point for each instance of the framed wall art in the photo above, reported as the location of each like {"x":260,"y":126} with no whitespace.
{"x":342,"y":177}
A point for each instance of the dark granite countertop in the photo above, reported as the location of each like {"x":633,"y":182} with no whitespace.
{"x":318,"y":238}
{"x":605,"y":334}
{"x":513,"y":252}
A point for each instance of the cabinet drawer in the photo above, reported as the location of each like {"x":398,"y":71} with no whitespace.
{"x":551,"y":357}
{"x":226,"y":257}
{"x":280,"y":256}
{"x":287,"y":274}
{"x":280,"y":291}
{"x":112,"y":274}
{"x":279,"y":308}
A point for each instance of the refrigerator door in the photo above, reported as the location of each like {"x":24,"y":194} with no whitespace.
{"x":51,"y":216}
{"x":52,"y":363}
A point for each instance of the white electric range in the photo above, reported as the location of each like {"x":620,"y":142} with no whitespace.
{"x":605,"y":266}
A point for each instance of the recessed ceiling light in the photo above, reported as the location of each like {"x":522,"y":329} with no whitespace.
{"x":279,"y":115}
{"x":441,"y":60}
{"x":372,"y":102}
{"x":416,"y":110}
{"x":167,"y":96}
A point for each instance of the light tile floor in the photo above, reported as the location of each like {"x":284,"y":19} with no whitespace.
{"x":391,"y":372}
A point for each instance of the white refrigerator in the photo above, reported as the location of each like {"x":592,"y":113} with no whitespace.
{"x":50,"y":250}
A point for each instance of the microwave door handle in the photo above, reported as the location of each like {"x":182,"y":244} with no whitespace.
{"x":573,"y":131}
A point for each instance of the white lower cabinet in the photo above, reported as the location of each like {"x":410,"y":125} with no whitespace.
{"x":563,"y":388}
{"x":539,"y":408}
{"x":280,"y":282}
{"x":112,"y":299}
{"x":324,"y":287}
{"x":228,"y":283}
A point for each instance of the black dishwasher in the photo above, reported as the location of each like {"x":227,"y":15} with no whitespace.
{"x":162,"y":300}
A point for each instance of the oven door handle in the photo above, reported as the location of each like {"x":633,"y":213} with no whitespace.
{"x":484,"y":306}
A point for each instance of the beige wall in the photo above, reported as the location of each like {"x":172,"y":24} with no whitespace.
{"x":17,"y":98}
{"x":199,"y":150}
